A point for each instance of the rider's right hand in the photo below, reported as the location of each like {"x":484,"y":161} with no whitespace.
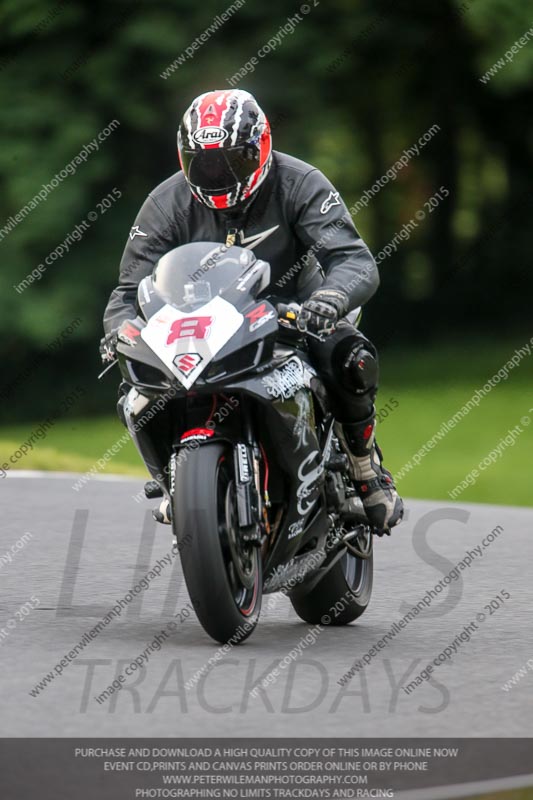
{"x":321,"y":312}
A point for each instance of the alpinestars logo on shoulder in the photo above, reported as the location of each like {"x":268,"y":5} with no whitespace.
{"x":333,"y":199}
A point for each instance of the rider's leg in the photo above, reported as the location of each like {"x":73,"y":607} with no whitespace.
{"x":132,"y":410}
{"x":348,"y":364}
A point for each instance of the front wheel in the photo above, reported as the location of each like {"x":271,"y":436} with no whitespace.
{"x":344,"y":592}
{"x":222,"y":572}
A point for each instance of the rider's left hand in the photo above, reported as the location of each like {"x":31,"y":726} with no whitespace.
{"x":108,"y":347}
{"x":321,"y":312}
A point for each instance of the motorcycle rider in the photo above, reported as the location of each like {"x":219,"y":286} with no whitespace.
{"x":234,"y":188}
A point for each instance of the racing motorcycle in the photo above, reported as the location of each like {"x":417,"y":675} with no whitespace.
{"x":234,"y":426}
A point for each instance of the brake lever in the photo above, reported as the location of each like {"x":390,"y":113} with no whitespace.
{"x":108,"y":368}
{"x":317,"y":335}
{"x":292,"y":324}
{"x":293,"y":327}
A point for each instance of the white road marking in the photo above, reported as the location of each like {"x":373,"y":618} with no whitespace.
{"x":34,"y":473}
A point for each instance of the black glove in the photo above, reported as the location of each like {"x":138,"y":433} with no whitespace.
{"x":108,"y":346}
{"x":322,"y":311}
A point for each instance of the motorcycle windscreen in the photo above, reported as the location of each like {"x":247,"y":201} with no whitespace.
{"x":187,"y":342}
{"x":190,"y":275}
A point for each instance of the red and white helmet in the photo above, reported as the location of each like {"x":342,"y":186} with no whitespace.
{"x":224,"y":147}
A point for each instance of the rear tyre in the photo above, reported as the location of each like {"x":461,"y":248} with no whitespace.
{"x":222,"y":573}
{"x":341,"y":596}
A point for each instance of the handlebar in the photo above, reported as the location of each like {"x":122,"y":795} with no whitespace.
{"x":287,"y":318}
{"x":288,"y":312}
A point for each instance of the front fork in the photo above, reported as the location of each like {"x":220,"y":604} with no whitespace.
{"x":247,"y":461}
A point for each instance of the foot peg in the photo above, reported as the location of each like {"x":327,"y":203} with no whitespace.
{"x":337,"y":463}
{"x":152,"y":489}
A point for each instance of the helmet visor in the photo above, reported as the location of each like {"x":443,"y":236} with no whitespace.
{"x":217,"y":170}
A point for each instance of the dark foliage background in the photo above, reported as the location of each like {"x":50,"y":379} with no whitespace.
{"x":356,"y":83}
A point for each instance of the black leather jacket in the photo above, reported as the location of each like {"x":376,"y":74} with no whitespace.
{"x":297,"y":222}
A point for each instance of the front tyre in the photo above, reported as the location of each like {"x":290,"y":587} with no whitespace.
{"x":223,"y":574}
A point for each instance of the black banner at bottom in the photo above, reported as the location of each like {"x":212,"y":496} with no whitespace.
{"x":127,"y":769}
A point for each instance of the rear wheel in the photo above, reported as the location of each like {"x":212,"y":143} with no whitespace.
{"x":223,"y":574}
{"x":344,"y":592}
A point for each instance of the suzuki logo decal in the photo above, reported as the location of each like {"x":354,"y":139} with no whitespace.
{"x":187,"y":362}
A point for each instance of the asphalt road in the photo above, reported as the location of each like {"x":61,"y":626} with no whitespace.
{"x":88,"y":548}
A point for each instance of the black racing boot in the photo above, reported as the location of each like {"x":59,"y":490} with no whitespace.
{"x":163,"y":514}
{"x":374,"y":484}
{"x":152,"y":489}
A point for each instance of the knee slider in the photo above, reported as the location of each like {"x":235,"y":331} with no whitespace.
{"x":360,"y":370}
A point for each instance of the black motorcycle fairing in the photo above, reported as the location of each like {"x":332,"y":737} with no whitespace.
{"x":245,"y":351}
{"x":145,"y":371}
{"x":293,"y":571}
{"x":237,"y":276}
{"x":250,"y":348}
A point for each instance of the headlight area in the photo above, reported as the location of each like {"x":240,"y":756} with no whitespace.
{"x":145,"y":375}
{"x":236,"y":363}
